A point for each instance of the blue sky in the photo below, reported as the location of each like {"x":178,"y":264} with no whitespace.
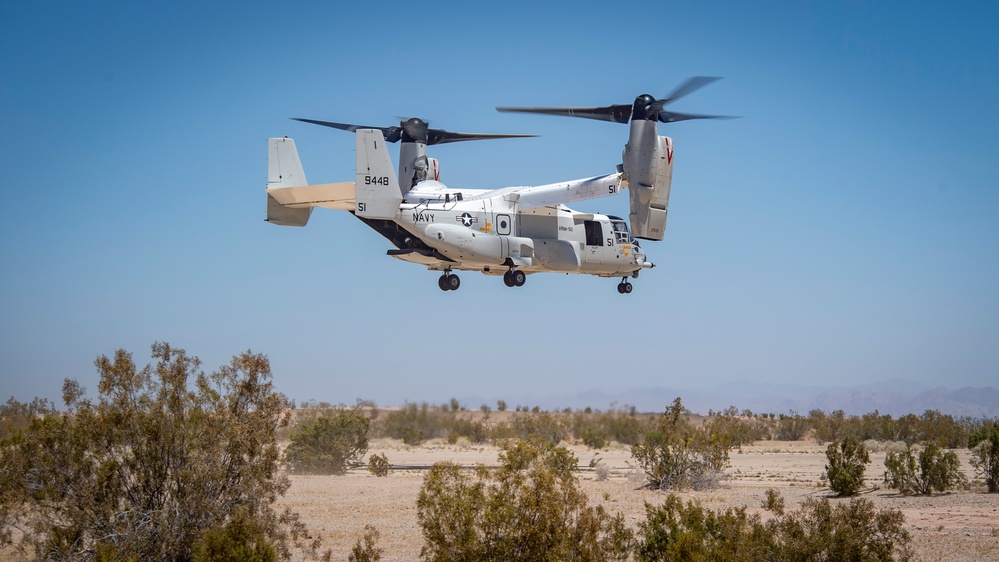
{"x":842,"y":232}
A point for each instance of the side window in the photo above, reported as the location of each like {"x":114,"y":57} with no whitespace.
{"x":502,"y":224}
{"x":594,"y":234}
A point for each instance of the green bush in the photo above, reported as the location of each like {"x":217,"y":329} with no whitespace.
{"x":530,"y":508}
{"x":241,"y":539}
{"x":984,"y":445}
{"x":737,"y":431}
{"x":791,"y":427}
{"x":930,"y":470}
{"x":16,"y":416}
{"x":817,"y":531}
{"x":365,"y":550}
{"x":594,"y":438}
{"x":330,"y":444}
{"x":674,"y":454}
{"x":151,"y":465}
{"x":845,"y":470}
{"x":379,"y":465}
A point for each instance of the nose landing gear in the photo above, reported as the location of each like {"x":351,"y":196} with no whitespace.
{"x":624,"y":287}
{"x":448,"y":281}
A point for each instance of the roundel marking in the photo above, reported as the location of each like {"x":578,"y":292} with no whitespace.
{"x":467,"y":219}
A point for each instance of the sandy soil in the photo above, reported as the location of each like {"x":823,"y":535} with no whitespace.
{"x":960,"y":526}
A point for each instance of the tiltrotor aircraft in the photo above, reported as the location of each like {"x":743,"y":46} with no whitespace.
{"x":513,"y":231}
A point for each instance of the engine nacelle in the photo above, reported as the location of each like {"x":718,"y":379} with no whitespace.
{"x":463,"y":244}
{"x":648,"y":168}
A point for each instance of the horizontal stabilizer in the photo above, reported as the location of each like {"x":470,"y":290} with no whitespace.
{"x":338,"y":196}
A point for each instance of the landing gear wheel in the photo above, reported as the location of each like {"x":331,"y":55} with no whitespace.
{"x":624,"y":287}
{"x":518,"y":277}
{"x":448,"y":282}
{"x":508,"y":279}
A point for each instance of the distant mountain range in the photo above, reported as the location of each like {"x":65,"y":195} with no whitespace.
{"x":895,"y":398}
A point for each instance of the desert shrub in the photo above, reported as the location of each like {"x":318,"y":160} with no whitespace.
{"x":620,"y":425}
{"x":594,"y":438}
{"x":241,"y":539}
{"x":501,"y":405}
{"x":474,"y":431}
{"x":736,"y":431}
{"x":413,"y":423}
{"x":922,"y":473}
{"x":545,"y":425}
{"x":675,"y":454}
{"x":146,"y":469}
{"x":330,"y":444}
{"x":942,"y":429}
{"x":984,"y":445}
{"x":791,"y":427}
{"x":379,"y":465}
{"x":365,"y":549}
{"x":817,"y":531}
{"x":847,"y":461}
{"x":530,"y":508}
{"x":828,"y":427}
{"x":16,"y":416}
{"x":602,"y":471}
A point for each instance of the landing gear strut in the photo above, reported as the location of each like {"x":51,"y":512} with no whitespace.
{"x":514,"y":278}
{"x":624,"y":287}
{"x":448,"y":281}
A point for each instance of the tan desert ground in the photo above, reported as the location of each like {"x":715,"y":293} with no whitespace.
{"x":957,"y":526}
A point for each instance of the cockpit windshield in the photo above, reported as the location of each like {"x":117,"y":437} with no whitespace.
{"x":621,"y":234}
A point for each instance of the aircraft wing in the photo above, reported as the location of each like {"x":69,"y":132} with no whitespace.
{"x":562,"y":192}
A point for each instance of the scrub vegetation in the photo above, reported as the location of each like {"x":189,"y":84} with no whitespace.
{"x":923,"y":472}
{"x":170,"y":463}
{"x":816,"y":531}
{"x":530,"y":508}
{"x":847,"y":462}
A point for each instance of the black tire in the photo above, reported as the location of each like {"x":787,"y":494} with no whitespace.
{"x":442,"y":283}
{"x":627,"y":288}
{"x":508,"y":279}
{"x":453,"y":282}
{"x":620,"y":288}
{"x":518,"y":277}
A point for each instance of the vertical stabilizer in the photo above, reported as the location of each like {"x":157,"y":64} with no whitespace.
{"x":284,"y":169}
{"x":378,"y":194}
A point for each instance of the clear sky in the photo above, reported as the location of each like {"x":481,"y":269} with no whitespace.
{"x":843,"y":232}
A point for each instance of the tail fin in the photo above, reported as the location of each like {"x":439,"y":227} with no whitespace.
{"x":378,"y":193}
{"x":284,"y":169}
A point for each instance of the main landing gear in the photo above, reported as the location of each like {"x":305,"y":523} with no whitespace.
{"x":449,"y":281}
{"x":624,"y":287}
{"x":514,"y":278}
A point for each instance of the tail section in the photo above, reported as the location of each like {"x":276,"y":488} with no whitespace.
{"x":378,"y":195}
{"x":284,"y":169}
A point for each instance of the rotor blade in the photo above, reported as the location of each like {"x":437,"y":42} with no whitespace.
{"x":392,"y":134}
{"x":673,"y":116}
{"x":691,"y":85}
{"x":438,"y":136}
{"x":612,"y":113}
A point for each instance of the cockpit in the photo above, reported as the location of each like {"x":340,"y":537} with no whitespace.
{"x":621,"y":233}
